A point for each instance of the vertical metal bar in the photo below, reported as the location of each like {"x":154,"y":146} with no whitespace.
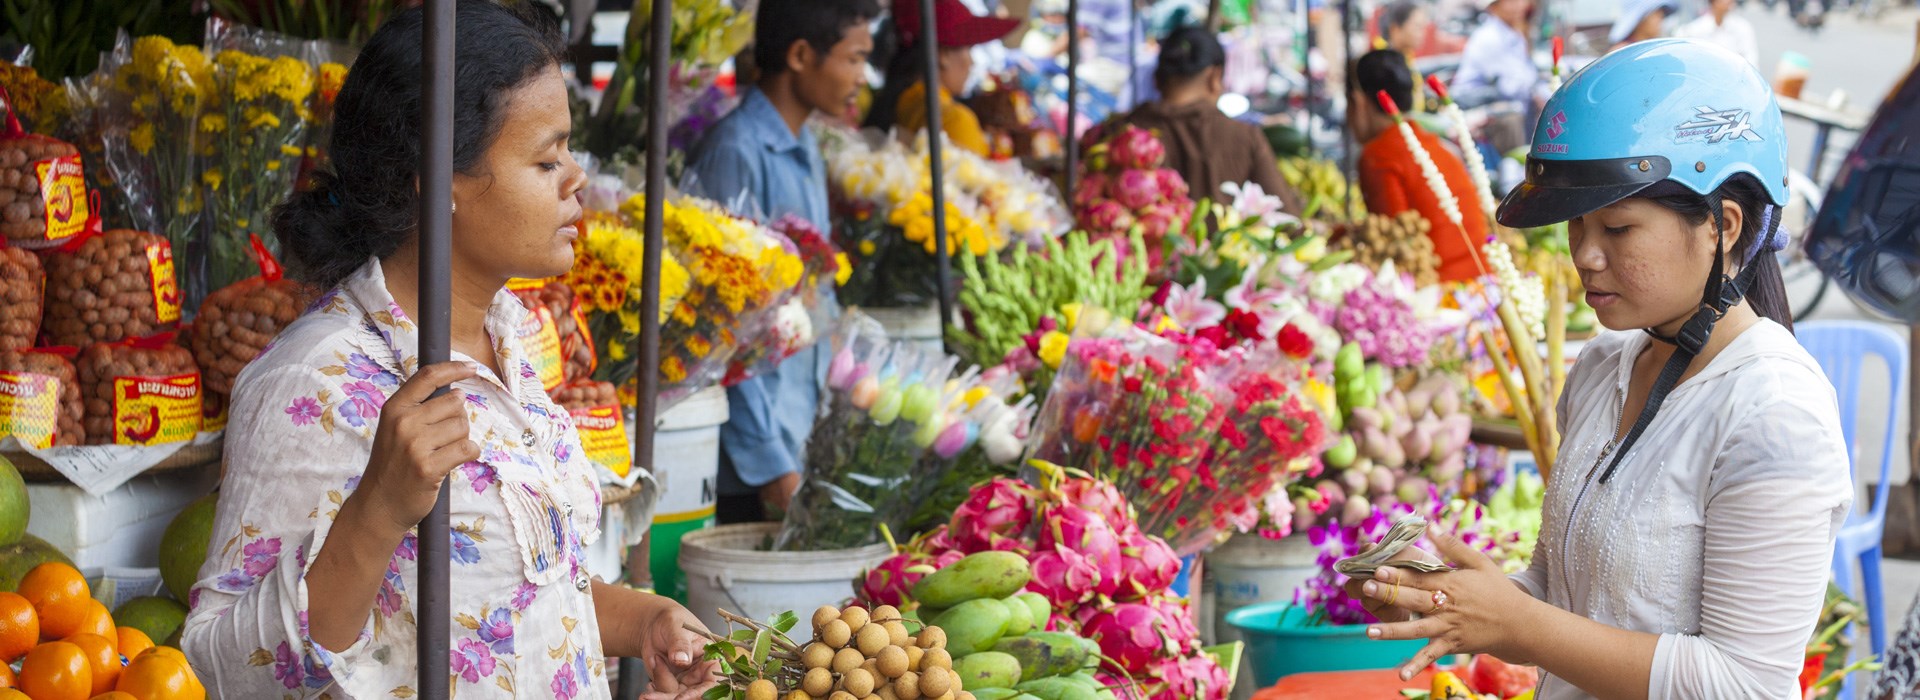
{"x":1073,"y":95}
{"x":1132,"y":93}
{"x":436,"y":321}
{"x":1347,"y":156}
{"x":1306,"y":67}
{"x":1913,"y":393}
{"x":647,"y":367}
{"x":943,"y":274}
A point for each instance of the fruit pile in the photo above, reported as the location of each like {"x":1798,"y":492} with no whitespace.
{"x":1070,"y":556}
{"x":68,"y":647}
{"x":854,"y":654}
{"x":1397,"y":443}
{"x":1484,"y":678}
{"x":1401,"y":240}
{"x":1323,"y":186}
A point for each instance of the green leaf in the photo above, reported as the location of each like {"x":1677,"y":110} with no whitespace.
{"x":718,"y":692}
{"x":741,"y":636}
{"x":785,"y":622}
{"x":761,"y":642}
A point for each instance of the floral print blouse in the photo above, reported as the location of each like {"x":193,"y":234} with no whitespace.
{"x":303,"y":421}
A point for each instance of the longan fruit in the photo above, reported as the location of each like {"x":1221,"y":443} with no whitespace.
{"x":836,"y":634}
{"x":892,"y":661}
{"x":914,"y":656}
{"x":935,"y":682}
{"x":937,"y":658}
{"x":897,"y":633}
{"x":859,"y":682}
{"x":856,"y":618}
{"x":817,"y":655}
{"x":847,"y":659}
{"x":933,"y":638}
{"x":963,"y":695}
{"x":824,"y":615}
{"x":873,"y":638}
{"x":885,"y":692}
{"x":761,"y":689}
{"x":797,"y":695}
{"x":886,"y":612}
{"x":841,"y":695}
{"x":907,"y":686}
{"x":817,"y":682}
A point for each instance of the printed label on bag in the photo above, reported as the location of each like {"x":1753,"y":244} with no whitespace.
{"x":29,"y":408}
{"x":166,"y":293}
{"x":540,"y":338}
{"x":603,"y":433}
{"x":156,"y":410}
{"x":584,"y":335}
{"x":518,"y":285}
{"x":63,"y":187}
{"x":213,"y":412}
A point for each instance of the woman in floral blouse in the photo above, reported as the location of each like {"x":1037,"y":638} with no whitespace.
{"x":336,"y":449}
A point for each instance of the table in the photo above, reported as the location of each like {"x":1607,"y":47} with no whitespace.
{"x":1825,"y":119}
{"x":1355,"y":685}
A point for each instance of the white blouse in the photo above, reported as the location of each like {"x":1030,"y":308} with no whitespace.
{"x":1716,"y":532}
{"x":302,"y":429}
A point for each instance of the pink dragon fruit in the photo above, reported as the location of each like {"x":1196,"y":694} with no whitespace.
{"x":1172,"y":186}
{"x":994,"y":512}
{"x":1193,"y":677}
{"x":1064,"y":576}
{"x":1180,"y":623}
{"x":1108,"y":215}
{"x":1148,"y":566}
{"x":1133,"y":634}
{"x":1136,"y":189}
{"x":1136,"y":148}
{"x":1082,"y":531}
{"x":1103,"y":499}
{"x":1156,"y":222}
{"x":1062,"y":623}
{"x":1092,"y":188}
{"x":889,"y":582}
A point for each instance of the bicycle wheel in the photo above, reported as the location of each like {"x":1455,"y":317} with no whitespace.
{"x":1805,"y":282}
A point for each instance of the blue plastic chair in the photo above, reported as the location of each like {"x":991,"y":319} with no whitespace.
{"x":1842,"y":348}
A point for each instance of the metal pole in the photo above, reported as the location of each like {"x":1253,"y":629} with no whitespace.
{"x":1306,"y":68}
{"x":943,"y":275}
{"x":647,"y":374}
{"x":436,"y":322}
{"x":1347,"y":157}
{"x":1132,"y":92}
{"x":1073,"y":94}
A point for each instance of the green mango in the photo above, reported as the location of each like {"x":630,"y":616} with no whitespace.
{"x":1042,"y":610}
{"x":994,"y":693}
{"x":984,"y":575}
{"x":973,"y":625}
{"x":1045,"y":654}
{"x":1020,"y":617}
{"x":1057,"y":689}
{"x":987,"y":669}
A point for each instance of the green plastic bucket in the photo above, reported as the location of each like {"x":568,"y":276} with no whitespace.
{"x":1283,"y":640}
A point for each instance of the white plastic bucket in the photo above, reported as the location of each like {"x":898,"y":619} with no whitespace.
{"x":686,"y":462}
{"x":726,"y":568}
{"x":916,"y":324}
{"x":1247,"y":570}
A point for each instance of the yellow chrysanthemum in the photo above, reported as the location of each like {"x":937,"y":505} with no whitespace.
{"x":1053,"y":348}
{"x":141,"y":137}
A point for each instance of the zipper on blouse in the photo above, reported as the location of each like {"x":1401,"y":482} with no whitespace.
{"x":1566,"y":538}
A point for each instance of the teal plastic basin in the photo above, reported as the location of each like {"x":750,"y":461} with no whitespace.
{"x":1282,"y":640}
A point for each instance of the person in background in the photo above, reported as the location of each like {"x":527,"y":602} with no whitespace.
{"x":1208,"y":148}
{"x":811,"y":57}
{"x":1497,"y":65}
{"x":1403,"y":27}
{"x":1641,"y":20}
{"x":1392,"y":181}
{"x":959,"y":30}
{"x":1721,"y":27}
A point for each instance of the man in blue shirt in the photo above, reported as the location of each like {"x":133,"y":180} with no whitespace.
{"x":1497,"y":64}
{"x":811,"y":56}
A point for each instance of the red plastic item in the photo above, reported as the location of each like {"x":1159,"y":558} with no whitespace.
{"x":1384,"y":683}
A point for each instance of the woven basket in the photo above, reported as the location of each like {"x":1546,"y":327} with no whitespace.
{"x":34,"y":469}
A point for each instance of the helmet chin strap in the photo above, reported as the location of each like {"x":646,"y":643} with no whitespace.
{"x":1720,"y":295}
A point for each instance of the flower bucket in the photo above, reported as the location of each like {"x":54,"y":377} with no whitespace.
{"x":1283,"y":640}
{"x":729,"y":567}
{"x":686,"y":461}
{"x":915,"y":324}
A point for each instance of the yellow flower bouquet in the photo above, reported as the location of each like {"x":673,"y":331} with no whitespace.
{"x":257,"y":131}
{"x":156,"y":95}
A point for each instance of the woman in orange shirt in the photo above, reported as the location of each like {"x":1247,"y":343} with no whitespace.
{"x":1391,"y":180}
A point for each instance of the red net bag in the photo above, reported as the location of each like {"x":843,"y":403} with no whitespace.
{"x":144,"y":391}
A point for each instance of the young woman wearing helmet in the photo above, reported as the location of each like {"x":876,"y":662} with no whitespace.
{"x":1689,"y":528}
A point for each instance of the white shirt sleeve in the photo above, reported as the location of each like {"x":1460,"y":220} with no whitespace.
{"x":1775,"y":500}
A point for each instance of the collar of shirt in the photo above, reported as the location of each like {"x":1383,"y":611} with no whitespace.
{"x":801,"y":191}
{"x":367,"y":290}
{"x":768,"y":126}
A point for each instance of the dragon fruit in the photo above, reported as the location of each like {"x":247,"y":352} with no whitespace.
{"x":1196,"y":677}
{"x":1180,"y":624}
{"x":1082,"y":531}
{"x":1108,"y":215}
{"x":1136,"y":189}
{"x":1064,"y":576}
{"x":993,"y":513}
{"x":1101,"y":498}
{"x":1172,"y":186}
{"x":1136,"y":148}
{"x":891,"y":583}
{"x":1147,"y":566}
{"x":1092,"y":187}
{"x":1135,"y":635}
{"x":1156,"y":222}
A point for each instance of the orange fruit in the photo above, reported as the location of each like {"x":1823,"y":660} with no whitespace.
{"x":132,"y":642}
{"x":110,"y":695}
{"x":11,"y":694}
{"x":97,"y":621}
{"x":56,"y":671}
{"x":59,"y":594}
{"x":102,"y":660}
{"x":19,"y":627}
{"x":6,"y":676}
{"x":159,"y":676}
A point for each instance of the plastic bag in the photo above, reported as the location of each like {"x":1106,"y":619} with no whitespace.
{"x":111,"y":286}
{"x":601,"y":422}
{"x":262,"y":88}
{"x":144,"y":391}
{"x":42,"y":186}
{"x":236,"y":323}
{"x":556,"y":336}
{"x":22,"y":284}
{"x":800,"y":317}
{"x":40,"y":399}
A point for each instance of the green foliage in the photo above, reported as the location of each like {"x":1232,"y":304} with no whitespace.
{"x":68,"y":36}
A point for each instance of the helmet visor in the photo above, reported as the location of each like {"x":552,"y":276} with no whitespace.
{"x":1562,"y":190}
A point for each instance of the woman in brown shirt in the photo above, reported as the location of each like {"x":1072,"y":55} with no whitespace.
{"x":1206,"y":147}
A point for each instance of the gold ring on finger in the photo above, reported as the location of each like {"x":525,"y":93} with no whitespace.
{"x":1439,"y":602}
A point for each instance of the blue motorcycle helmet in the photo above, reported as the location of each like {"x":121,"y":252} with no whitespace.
{"x":1654,"y":118}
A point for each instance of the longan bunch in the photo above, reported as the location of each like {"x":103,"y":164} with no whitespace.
{"x":1401,"y":239}
{"x":856,"y":654}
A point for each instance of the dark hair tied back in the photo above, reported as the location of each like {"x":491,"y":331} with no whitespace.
{"x":1186,"y":52}
{"x":1768,"y":292}
{"x":366,"y":203}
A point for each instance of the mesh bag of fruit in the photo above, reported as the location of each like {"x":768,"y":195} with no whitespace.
{"x":43,"y":188}
{"x":107,"y":287}
{"x":236,"y":323}
{"x":40,"y":398}
{"x":142,"y":391}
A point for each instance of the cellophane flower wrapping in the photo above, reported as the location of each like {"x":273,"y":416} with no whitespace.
{"x":157,"y":103}
{"x":256,"y":125}
{"x":607,"y":268}
{"x":892,"y":424}
{"x":803,"y":314}
{"x":738,"y":271}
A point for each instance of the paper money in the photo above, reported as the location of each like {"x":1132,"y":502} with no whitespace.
{"x":1403,"y":534}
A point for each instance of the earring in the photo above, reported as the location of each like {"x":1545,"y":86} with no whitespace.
{"x":456,"y":208}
